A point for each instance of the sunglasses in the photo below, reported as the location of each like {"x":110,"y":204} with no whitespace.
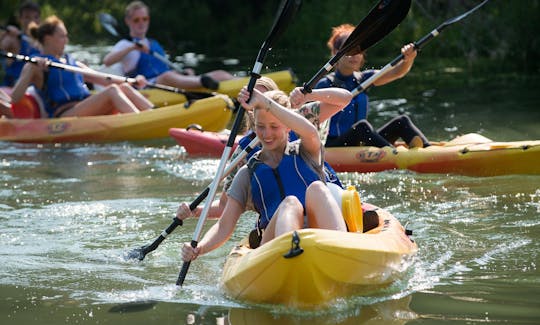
{"x":137,"y":20}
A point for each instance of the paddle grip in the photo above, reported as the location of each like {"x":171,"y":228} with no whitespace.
{"x":185,"y":267}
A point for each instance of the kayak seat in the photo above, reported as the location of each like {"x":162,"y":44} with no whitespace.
{"x":30,"y":106}
{"x":371,"y":220}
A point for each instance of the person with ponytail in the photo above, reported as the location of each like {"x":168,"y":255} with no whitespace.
{"x":64,"y":93}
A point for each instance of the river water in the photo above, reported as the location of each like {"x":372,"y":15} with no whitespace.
{"x":69,"y":213}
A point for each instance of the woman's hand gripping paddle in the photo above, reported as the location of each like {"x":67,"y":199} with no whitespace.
{"x":140,"y":253}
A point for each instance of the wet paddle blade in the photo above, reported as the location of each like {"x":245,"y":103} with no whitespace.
{"x":383,"y":18}
{"x":135,"y":254}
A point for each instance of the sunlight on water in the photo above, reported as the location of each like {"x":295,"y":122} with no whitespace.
{"x":201,"y":170}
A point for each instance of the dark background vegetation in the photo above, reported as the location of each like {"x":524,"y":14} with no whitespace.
{"x":502,"y":36}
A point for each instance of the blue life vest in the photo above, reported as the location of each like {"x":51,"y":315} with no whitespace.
{"x":62,"y":86}
{"x":148,"y":65}
{"x":270,"y":186}
{"x":357,"y":108}
{"x":329,"y":173}
{"x":13,"y":71}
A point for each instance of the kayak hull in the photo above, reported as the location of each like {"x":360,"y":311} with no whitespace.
{"x":333,"y":265}
{"x":212,"y":113}
{"x":484,"y":158}
{"x":470,"y":154}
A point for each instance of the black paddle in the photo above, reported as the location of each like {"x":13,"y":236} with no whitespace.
{"x":109,"y":23}
{"x":418,"y":45}
{"x":287,"y":11}
{"x":107,"y":76}
{"x":380,"y":21}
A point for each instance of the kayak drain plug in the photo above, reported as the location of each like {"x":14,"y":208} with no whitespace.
{"x":295,"y":247}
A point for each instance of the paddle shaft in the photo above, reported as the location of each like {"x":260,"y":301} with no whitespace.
{"x":177,"y":222}
{"x":105,"y":76}
{"x":380,"y":21}
{"x":287,"y":11}
{"x":418,"y":45}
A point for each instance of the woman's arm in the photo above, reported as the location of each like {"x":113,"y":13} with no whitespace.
{"x":30,"y":74}
{"x":93,"y":78}
{"x":332,"y":100}
{"x":118,"y":53}
{"x":218,"y":234}
{"x":401,"y":69}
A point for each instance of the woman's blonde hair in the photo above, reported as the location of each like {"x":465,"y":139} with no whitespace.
{"x":269,"y":85}
{"x":266,"y":82}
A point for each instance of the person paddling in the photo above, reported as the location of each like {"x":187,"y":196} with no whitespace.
{"x":350,"y":127}
{"x":317,"y":106}
{"x":136,"y":57}
{"x":284,"y":180}
{"x":64,"y":93}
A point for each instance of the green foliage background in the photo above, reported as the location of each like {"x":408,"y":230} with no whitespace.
{"x":501,"y":36}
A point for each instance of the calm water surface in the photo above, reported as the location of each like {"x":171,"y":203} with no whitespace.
{"x":69,"y":213}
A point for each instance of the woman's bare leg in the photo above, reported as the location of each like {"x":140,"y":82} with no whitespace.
{"x":220,"y":75}
{"x":5,"y":104}
{"x":135,"y":96}
{"x":173,"y":79}
{"x":289,"y":216}
{"x":103,"y":103}
{"x":322,"y":209}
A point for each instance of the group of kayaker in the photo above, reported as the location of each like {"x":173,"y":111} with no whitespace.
{"x":65,"y":93}
{"x":285,"y":181}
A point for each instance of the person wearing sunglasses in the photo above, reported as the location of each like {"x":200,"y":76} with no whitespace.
{"x":139,"y":55}
{"x":350,"y":126}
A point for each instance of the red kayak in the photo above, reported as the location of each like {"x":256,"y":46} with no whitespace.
{"x":200,"y":143}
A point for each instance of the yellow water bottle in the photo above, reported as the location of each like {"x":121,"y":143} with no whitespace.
{"x":351,"y":206}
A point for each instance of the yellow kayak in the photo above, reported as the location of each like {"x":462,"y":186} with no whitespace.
{"x":471,"y":154}
{"x":285,"y":79}
{"x":212,"y":113}
{"x":332,"y":265}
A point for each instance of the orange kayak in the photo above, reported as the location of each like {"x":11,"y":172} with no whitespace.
{"x":212,"y":113}
{"x":471,"y":154}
